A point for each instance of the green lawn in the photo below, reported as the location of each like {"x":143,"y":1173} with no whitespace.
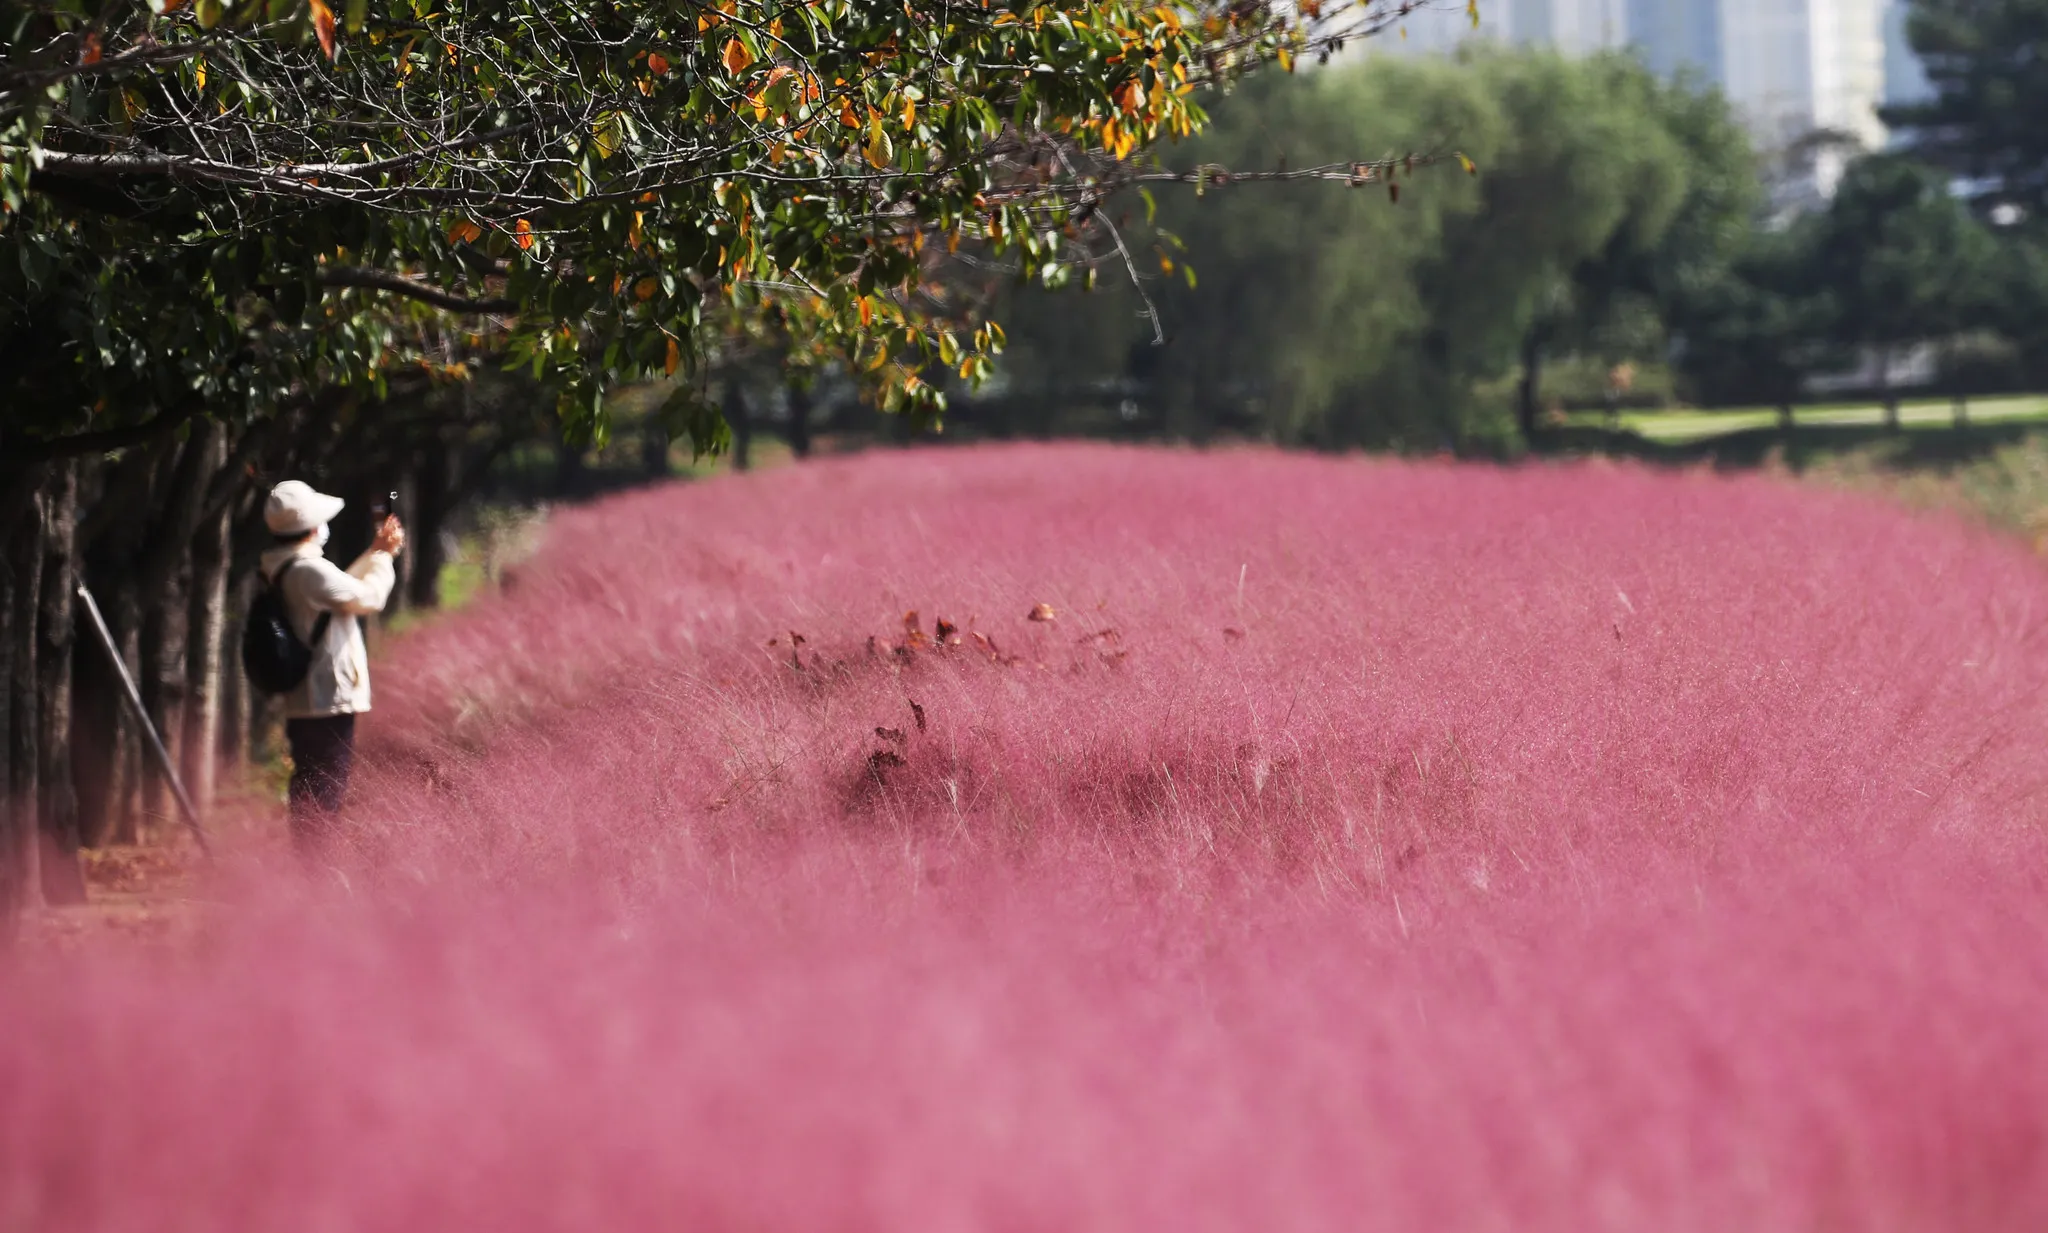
{"x":1675,"y":427}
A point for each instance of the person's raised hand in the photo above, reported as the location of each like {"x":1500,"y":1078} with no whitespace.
{"x":390,"y":536}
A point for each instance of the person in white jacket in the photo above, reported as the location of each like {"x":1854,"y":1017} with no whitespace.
{"x":320,"y":715}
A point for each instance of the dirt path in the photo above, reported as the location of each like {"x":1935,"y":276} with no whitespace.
{"x":136,"y":894}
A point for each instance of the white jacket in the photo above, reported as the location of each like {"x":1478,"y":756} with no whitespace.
{"x":339,"y":680}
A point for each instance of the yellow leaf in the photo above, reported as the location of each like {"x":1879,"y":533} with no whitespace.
{"x":736,"y":57}
{"x":1472,"y":11}
{"x":909,"y":112}
{"x":879,"y":150}
{"x":606,"y":133}
{"x":1471,"y":168}
{"x":199,"y":74}
{"x":1286,"y":58}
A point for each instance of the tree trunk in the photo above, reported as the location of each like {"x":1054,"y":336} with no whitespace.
{"x":742,"y":421}
{"x":12,"y":825}
{"x":206,"y":648}
{"x":1528,"y":415}
{"x":654,"y":442}
{"x":20,"y":580}
{"x":1885,"y":391}
{"x":428,"y":523}
{"x":165,"y":569}
{"x":266,"y":721}
{"x":57,"y":799}
{"x":109,"y":816}
{"x":569,"y":470}
{"x":163,"y":697}
{"x":800,"y":420}
{"x":232,"y":736}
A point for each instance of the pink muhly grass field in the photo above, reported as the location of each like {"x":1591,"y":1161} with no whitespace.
{"x":1360,"y":846}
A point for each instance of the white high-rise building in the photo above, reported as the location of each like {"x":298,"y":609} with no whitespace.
{"x":1575,"y":26}
{"x":1802,"y":74}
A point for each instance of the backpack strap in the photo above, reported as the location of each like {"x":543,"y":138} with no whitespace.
{"x":320,"y":622}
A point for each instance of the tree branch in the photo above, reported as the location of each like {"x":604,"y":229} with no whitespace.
{"x":399,"y":284}
{"x":100,"y":442}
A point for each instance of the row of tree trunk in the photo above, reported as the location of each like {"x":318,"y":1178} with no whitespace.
{"x":167,"y":535}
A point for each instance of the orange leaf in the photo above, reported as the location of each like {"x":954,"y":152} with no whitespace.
{"x":867,"y":310}
{"x":89,"y":52}
{"x":674,"y":360}
{"x":657,"y":64}
{"x":848,"y":116}
{"x":645,"y":288}
{"x":736,"y":57}
{"x":522,"y":234}
{"x":463,"y":231}
{"x":323,"y":25}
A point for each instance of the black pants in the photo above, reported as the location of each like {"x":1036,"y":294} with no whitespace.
{"x":322,"y":751}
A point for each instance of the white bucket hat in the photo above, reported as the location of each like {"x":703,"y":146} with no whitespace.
{"x":294,"y":508}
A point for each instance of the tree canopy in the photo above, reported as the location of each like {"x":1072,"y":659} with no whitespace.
{"x":215,"y":209}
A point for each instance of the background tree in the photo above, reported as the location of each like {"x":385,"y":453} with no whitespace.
{"x":1903,"y":261}
{"x":1754,"y":329}
{"x":1390,"y":316}
{"x":1987,"y":61}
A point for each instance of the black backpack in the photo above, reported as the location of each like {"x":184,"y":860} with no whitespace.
{"x":272,"y":654}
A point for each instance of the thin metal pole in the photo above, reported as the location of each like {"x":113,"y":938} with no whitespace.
{"x":163,"y":756}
